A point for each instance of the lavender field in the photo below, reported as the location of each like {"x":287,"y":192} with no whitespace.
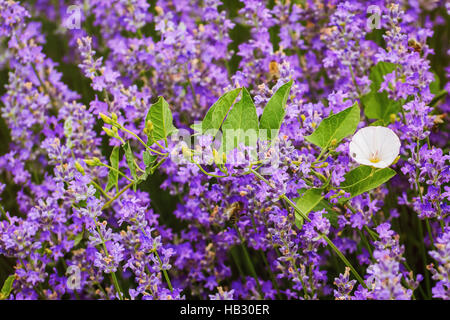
{"x":224,"y":150}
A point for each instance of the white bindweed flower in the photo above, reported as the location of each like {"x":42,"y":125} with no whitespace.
{"x":375,"y":146}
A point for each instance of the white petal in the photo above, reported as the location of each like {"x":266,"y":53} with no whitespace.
{"x":358,"y":147}
{"x":374,"y":140}
{"x":380,"y":164}
{"x":391,"y":146}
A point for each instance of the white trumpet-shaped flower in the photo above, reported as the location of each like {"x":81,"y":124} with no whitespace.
{"x":375,"y":146}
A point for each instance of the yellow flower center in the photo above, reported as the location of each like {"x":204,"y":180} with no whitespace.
{"x":374,"y":157}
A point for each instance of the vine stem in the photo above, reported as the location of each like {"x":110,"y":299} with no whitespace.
{"x":116,"y":170}
{"x":101,"y":190}
{"x":330,"y":243}
{"x":140,"y":140}
{"x":128,"y":186}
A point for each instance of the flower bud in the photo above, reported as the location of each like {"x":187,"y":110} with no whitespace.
{"x":187,"y":153}
{"x":105,"y":118}
{"x":109,"y":132}
{"x":92,"y":162}
{"x":79,"y":167}
{"x":149,"y":126}
{"x":396,"y":160}
{"x":216,"y":156}
{"x":333,"y":142}
{"x":392,"y":117}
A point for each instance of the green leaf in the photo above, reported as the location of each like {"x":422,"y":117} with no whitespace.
{"x":78,"y":238}
{"x":377,"y":105}
{"x":435,"y":89}
{"x":7,"y":287}
{"x":130,"y":161}
{"x":299,"y":221}
{"x":309,"y":200}
{"x":336,"y":127}
{"x":113,"y":176}
{"x":196,"y":127}
{"x":161,"y":117}
{"x":242,"y":121}
{"x":216,"y":114}
{"x":149,"y":160}
{"x":379,"y":123}
{"x":312,"y":200}
{"x":274,"y":111}
{"x":365,"y":178}
{"x":438,"y":97}
{"x":435,"y":86}
{"x":330,"y":214}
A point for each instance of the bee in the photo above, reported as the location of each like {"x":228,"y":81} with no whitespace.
{"x":274,"y":71}
{"x":233,"y":212}
{"x":212,"y":217}
{"x":416,"y":46}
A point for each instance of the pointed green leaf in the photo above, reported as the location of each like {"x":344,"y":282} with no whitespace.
{"x":435,"y":86}
{"x":365,"y":178}
{"x":161,"y":117}
{"x":274,"y":111}
{"x":78,"y":238}
{"x":113,"y":176}
{"x":330,"y":214}
{"x":299,"y":221}
{"x":377,"y":105}
{"x":149,"y":160}
{"x":306,"y":203}
{"x":379,"y":123}
{"x":7,"y":287}
{"x":241,"y":124}
{"x":312,"y":200}
{"x":309,"y":200}
{"x":216,"y":114}
{"x":336,"y":127}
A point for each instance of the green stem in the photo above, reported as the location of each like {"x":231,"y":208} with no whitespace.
{"x":249,"y":262}
{"x":366,"y":242}
{"x":4,"y":213}
{"x":128,"y":186}
{"x":236,"y":262}
{"x":105,"y":250}
{"x":430,"y":232}
{"x":424,"y":257}
{"x":166,"y":275}
{"x":272,"y":276}
{"x":101,"y":190}
{"x":140,"y":140}
{"x":194,"y":95}
{"x":330,"y":243}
